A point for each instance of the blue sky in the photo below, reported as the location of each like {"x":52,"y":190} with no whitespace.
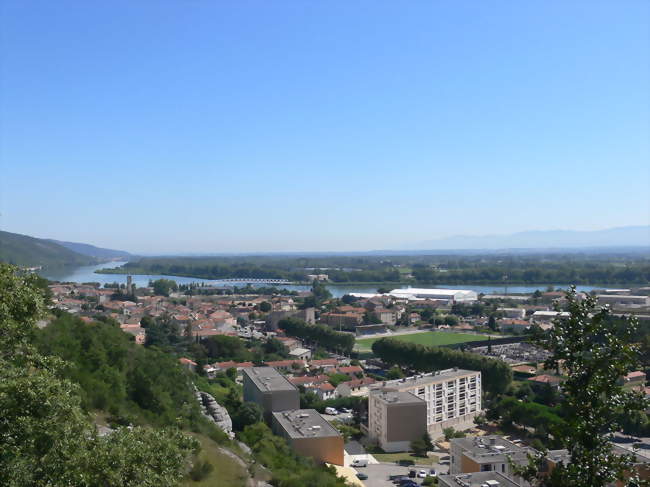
{"x":194,"y":125}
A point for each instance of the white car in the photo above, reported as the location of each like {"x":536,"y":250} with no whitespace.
{"x":422,"y":474}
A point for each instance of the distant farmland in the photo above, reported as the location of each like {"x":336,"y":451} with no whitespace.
{"x":434,"y":338}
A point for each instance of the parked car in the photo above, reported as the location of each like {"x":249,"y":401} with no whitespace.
{"x":433,"y":472}
{"x":362,"y":476}
{"x":422,"y":474}
{"x":359,"y":462}
{"x":407,"y":483}
{"x":399,"y":479}
{"x":331,"y":411}
{"x":413,"y":473}
{"x":346,"y":410}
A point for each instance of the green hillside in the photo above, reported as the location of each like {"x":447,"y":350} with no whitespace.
{"x":29,"y":251}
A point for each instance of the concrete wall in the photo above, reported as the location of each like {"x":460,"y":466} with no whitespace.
{"x":406,"y":422}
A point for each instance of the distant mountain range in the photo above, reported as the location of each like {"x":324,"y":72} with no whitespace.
{"x":30,"y":251}
{"x":633,"y":236}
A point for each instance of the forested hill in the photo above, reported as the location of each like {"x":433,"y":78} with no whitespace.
{"x":23,"y":250}
{"x":93,"y":251}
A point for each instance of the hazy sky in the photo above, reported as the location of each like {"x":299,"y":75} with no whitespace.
{"x":201,"y":125}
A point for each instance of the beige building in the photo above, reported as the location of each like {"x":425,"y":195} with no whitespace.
{"x":487,"y":454}
{"x":270,"y":389}
{"x":453,"y":397}
{"x":395,"y":419}
{"x":310,"y":435}
{"x":478,"y":479}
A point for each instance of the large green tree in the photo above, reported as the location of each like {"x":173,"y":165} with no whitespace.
{"x":595,"y":355}
{"x":45,"y":437}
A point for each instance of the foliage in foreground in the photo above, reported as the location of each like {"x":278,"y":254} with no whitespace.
{"x":595,"y":356}
{"x":45,"y":437}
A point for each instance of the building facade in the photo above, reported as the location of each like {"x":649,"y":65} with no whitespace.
{"x":487,"y":454}
{"x":270,"y":389}
{"x":310,"y":435}
{"x":395,"y":419}
{"x":452,"y":397}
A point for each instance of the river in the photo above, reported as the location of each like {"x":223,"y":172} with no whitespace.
{"x":87,"y":274}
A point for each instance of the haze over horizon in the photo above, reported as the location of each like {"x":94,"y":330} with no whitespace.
{"x":195,"y":127}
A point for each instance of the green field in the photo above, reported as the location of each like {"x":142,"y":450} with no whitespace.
{"x":435,"y":338}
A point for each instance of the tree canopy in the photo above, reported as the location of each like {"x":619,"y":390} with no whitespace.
{"x":46,"y":437}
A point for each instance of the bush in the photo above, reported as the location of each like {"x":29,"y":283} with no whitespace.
{"x":200,"y":470}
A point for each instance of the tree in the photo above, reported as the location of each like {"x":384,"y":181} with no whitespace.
{"x":265,"y":307}
{"x":394,"y":373}
{"x":496,"y":374}
{"x":275,"y":347}
{"x":451,"y":320}
{"x":418,"y":447}
{"x":595,"y":356}
{"x":428,"y":442}
{"x":370,"y":318}
{"x":162,"y":287}
{"x":45,"y":436}
{"x":449,"y":433}
{"x":492,"y":323}
{"x":480,"y":420}
{"x":247,"y":413}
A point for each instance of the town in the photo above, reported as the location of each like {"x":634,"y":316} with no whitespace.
{"x":310,"y":364}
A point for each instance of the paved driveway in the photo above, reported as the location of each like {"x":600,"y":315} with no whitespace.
{"x":378,"y":473}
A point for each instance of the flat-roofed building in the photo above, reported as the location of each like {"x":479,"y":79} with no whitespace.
{"x":270,"y":389}
{"x":395,"y":419}
{"x":487,"y":454}
{"x":450,"y":295}
{"x":453,"y":397}
{"x":310,"y":435}
{"x":478,"y":479}
{"x":622,"y":300}
{"x":516,"y":313}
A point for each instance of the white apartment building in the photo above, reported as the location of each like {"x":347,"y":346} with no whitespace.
{"x":453,"y":397}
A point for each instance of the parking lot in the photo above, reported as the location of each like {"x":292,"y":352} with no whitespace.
{"x":378,"y":473}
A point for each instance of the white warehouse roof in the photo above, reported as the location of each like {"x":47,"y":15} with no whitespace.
{"x":425,"y":293}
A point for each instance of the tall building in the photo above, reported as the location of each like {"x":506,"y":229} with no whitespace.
{"x":395,"y":419}
{"x":270,"y":389}
{"x":452,"y":397}
{"x":310,"y":435}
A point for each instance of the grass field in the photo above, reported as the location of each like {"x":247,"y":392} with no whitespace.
{"x":396,"y":457}
{"x":226,"y":473}
{"x":435,"y":338}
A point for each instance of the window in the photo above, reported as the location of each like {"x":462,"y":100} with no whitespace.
{"x":421,"y":391}
{"x":486,"y":468}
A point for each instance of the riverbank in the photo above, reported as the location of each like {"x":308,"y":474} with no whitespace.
{"x":89,"y":274}
{"x":407,"y":283}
